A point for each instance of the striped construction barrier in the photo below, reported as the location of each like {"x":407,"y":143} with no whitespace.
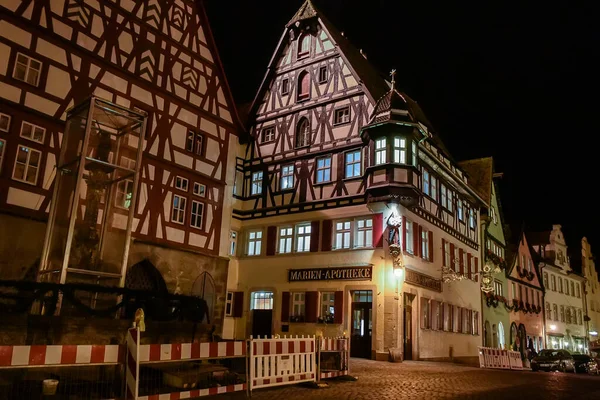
{"x":191,"y":351}
{"x":132,"y":370}
{"x":334,"y":345}
{"x":515,"y":360}
{"x":190,"y":394}
{"x":64,"y":355}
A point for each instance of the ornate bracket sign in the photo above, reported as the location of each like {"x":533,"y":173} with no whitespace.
{"x":418,"y":279}
{"x":331,"y":274}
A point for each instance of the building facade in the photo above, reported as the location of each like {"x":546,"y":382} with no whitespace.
{"x":564,"y":300}
{"x":153,"y":57}
{"x":527,"y":294}
{"x":350,"y":216}
{"x":592,"y":294}
{"x":495,"y":314}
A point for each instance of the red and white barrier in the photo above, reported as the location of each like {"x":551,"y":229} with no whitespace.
{"x":515,"y":360}
{"x":493,"y":358}
{"x":282,"y":361}
{"x":191,"y":394}
{"x":191,"y":351}
{"x":64,"y":355}
{"x":132,"y":370}
{"x":335,"y":345}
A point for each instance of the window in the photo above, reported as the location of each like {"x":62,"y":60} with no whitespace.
{"x":364,"y":233}
{"x":27,"y":165}
{"x":27,"y":69}
{"x":178,"y":213}
{"x":566,"y":287}
{"x":323,"y":75}
{"x":475,"y":325}
{"x":181,"y":183}
{"x":498,"y":288}
{"x":324,"y":169}
{"x":579,"y":317}
{"x":2,"y":146}
{"x":568,"y":315}
{"x":285,"y":86}
{"x":553,"y":280}
{"x":459,"y":209}
{"x":229,"y":304}
{"x":380,"y":151}
{"x":327,"y":306}
{"x":124,"y":194}
{"x":471,"y":218}
{"x":298,"y":306}
{"x":189,"y":142}
{"x":4,"y":122}
{"x":576,"y":285}
{"x":409,"y":237}
{"x":353,"y":164}
{"x":232,"y":243}
{"x":514,"y":291}
{"x":286,"y":236}
{"x":399,"y":150}
{"x":448,"y":316}
{"x":425,"y":245}
{"x":572,"y":288}
{"x":342,"y":234}
{"x":303,"y":86}
{"x":450,"y":200}
{"x":287,"y":177}
{"x":199,"y":144}
{"x":342,"y":116}
{"x":32,"y":132}
{"x":268,"y":134}
{"x":546,"y":283}
{"x":196,"y":215}
{"x":261,"y":301}
{"x":426,"y":187}
{"x":257,"y":182}
{"x":302,"y":133}
{"x":434,"y":188}
{"x":560,"y":285}
{"x":548,"y":312}
{"x":447,"y":257}
{"x":444,"y":193}
{"x":562,"y":313}
{"x":554,"y":312}
{"x":254,"y":242}
{"x":456,"y":319}
{"x":414,"y":154}
{"x":436,"y":314}
{"x":303,"y":45}
{"x":303,"y":238}
{"x":199,"y":189}
{"x":425,"y":313}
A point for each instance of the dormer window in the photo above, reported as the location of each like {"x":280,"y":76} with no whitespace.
{"x":303,"y":85}
{"x":303,"y":133}
{"x":304,"y":45}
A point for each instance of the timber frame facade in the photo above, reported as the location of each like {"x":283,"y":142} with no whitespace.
{"x":153,"y":56}
{"x":338,"y":165}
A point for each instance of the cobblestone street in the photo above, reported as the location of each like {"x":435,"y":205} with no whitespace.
{"x":428,"y":380}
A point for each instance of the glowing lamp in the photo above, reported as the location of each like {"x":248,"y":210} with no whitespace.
{"x":593,"y":333}
{"x":397,"y":271}
{"x":552,"y":327}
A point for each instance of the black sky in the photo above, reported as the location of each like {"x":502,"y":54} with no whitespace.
{"x":513,"y":80}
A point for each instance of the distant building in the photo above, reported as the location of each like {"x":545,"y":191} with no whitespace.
{"x":350,"y":216}
{"x":564,"y":325}
{"x":592,"y":294}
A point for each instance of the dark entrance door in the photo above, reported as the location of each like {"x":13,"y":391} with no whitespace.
{"x":362,"y":324}
{"x":408,"y":326}
{"x":261,"y":322}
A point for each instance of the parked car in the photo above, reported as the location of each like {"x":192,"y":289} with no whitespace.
{"x":553,"y":360}
{"x":586,"y":364}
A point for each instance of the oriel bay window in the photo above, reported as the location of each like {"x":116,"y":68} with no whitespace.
{"x":399,"y":150}
{"x":380,"y":151}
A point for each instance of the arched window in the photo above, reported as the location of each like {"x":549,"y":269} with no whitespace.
{"x":501,"y":342}
{"x":204,"y":287}
{"x":303,"y":133}
{"x":303,"y":45}
{"x":303,"y":85}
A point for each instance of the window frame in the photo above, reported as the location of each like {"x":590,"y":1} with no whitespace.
{"x":343,"y":232}
{"x":460,"y":211}
{"x":229,"y":304}
{"x":498,"y":284}
{"x":258,"y":237}
{"x":256,"y":182}
{"x":263,"y":134}
{"x":344,"y":111}
{"x":380,"y":154}
{"x":365,"y":229}
{"x":285,"y":86}
{"x":399,"y":151}
{"x":287,"y":237}
{"x":199,"y":216}
{"x":199,"y":193}
{"x":329,"y":303}
{"x":305,"y":235}
{"x":300,"y":54}
{"x":305,"y":142}
{"x":178,"y":209}
{"x":27,"y":69}
{"x":287,"y":177}
{"x":2,"y":151}
{"x":434,"y":187}
{"x":182,"y":186}
{"x":123,"y":192}
{"x":425,"y":245}
{"x":33,"y":128}
{"x":353,"y":163}
{"x":301,"y":303}
{"x":323,"y":169}
{"x":233,"y":237}
{"x":27,"y":165}
{"x":9,"y":120}
{"x":300,"y":96}
{"x":323,"y":74}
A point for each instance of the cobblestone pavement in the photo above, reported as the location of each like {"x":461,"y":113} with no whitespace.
{"x":429,"y":380}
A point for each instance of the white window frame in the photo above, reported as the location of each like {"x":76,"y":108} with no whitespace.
{"x":182,"y":183}
{"x":471,"y":218}
{"x":257,"y":178}
{"x":426,"y":184}
{"x":261,"y":300}
{"x":298,"y":304}
{"x":414,"y":153}
{"x":353,"y":164}
{"x":199,"y":189}
{"x":434,"y":188}
{"x":425,"y":247}
{"x":364,"y":232}
{"x":380,"y":151}
{"x":303,"y":233}
{"x":400,"y":152}
{"x":233,"y":235}
{"x":121,"y":194}
{"x":323,"y":74}
{"x":178,"y":213}
{"x":27,"y":165}
{"x":285,"y":239}
{"x":323,"y":169}
{"x":28,"y":68}
{"x":2,"y":147}
{"x":8,"y":119}
{"x":199,"y":144}
{"x":444,"y":195}
{"x":33,"y":128}
{"x":190,"y":141}
{"x":196,"y":214}
{"x":410,"y":240}
{"x":450,"y":199}
{"x":229,"y":304}
{"x":344,"y":233}
{"x":498,"y":285}
{"x":327,"y":303}
{"x":268,"y":134}
{"x":447,"y":255}
{"x":286,"y":181}
{"x":254,"y":242}
{"x":460,"y":210}
{"x":341,"y":116}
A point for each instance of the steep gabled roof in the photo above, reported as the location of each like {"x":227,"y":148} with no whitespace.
{"x":306,"y":11}
{"x":480,"y":173}
{"x":536,"y":238}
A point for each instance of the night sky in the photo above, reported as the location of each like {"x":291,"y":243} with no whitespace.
{"x":512,"y":80}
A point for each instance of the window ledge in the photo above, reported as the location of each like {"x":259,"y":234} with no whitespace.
{"x":354,"y":178}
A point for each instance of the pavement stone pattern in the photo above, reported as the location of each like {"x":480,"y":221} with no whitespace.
{"x":433,"y":380}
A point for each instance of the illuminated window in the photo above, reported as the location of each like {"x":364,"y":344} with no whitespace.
{"x":261,"y":301}
{"x":399,"y":150}
{"x":124,"y":194}
{"x":257,"y":182}
{"x":426,"y":184}
{"x":459,"y":209}
{"x":303,"y":233}
{"x":434,"y":188}
{"x":232,"y":243}
{"x":425,"y":245}
{"x":178,"y":212}
{"x":444,"y":196}
{"x":27,"y":69}
{"x":287,"y":177}
{"x":4,"y":122}
{"x":324,"y":169}
{"x":409,"y":237}
{"x":189,"y":143}
{"x":380,"y":151}
{"x":254,"y":242}
{"x":364,"y":232}
{"x":327,"y":306}
{"x":353,"y":164}
{"x":298,"y":305}
{"x":498,"y":288}
{"x":555,"y":312}
{"x":342,"y":234}
{"x":32,"y":132}
{"x":286,"y":237}
{"x":414,"y":154}
{"x":27,"y":165}
{"x":303,"y":133}
{"x":471,"y":218}
{"x":268,"y":134}
{"x":196,"y":214}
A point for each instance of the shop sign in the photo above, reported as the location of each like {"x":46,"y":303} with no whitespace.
{"x":331,"y":274}
{"x":419,"y":279}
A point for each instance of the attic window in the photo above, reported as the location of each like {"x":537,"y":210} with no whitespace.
{"x":303,"y":45}
{"x":285,"y":86}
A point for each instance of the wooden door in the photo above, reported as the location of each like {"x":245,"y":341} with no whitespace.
{"x":408,"y":327}
{"x":362,"y":326}
{"x":262,"y":321}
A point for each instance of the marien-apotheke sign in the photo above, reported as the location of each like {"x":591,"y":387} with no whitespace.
{"x":331,"y":274}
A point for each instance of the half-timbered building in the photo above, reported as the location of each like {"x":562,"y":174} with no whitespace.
{"x":350,"y":215}
{"x":592,"y":295}
{"x":157,"y":59}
